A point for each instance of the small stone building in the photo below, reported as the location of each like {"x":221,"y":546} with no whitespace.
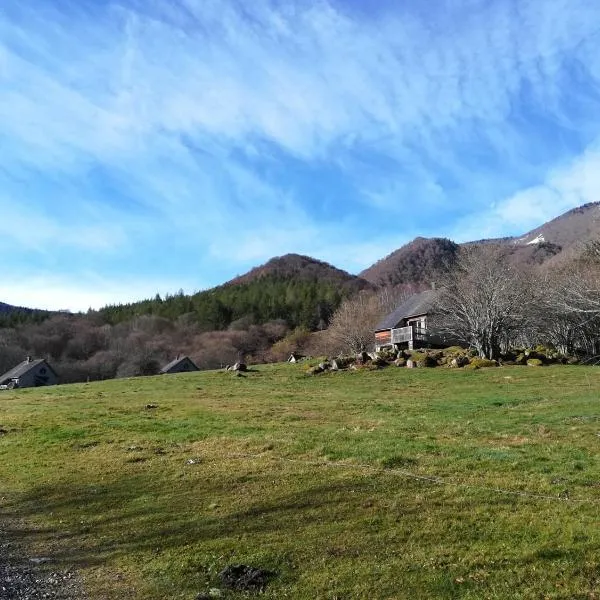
{"x":30,"y":373}
{"x":182,"y":364}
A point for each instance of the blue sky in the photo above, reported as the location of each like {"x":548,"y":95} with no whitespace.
{"x":153,"y":145}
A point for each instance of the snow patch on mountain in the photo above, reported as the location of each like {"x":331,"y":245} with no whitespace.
{"x":538,"y":240}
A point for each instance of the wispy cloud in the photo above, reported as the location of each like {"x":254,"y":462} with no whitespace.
{"x":222,"y":134}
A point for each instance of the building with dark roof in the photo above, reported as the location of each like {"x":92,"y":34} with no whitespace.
{"x":408,"y":325}
{"x":30,"y":373}
{"x":182,"y":364}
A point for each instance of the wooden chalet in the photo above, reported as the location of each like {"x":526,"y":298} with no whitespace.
{"x":408,"y":325}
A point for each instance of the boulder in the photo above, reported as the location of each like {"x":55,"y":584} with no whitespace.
{"x":324,"y":366}
{"x":314,"y":370}
{"x":481,"y":363}
{"x":535,"y":362}
{"x":239,"y":366}
{"x":411,"y":364}
{"x":400,"y":362}
{"x":459,"y":362}
{"x":334,"y":366}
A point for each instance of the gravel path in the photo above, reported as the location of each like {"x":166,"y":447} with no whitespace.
{"x":29,"y":578}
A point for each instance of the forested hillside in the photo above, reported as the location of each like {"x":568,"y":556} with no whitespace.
{"x":300,"y":290}
{"x":243,"y":319}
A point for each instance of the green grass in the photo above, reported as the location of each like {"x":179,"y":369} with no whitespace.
{"x":384,"y":484}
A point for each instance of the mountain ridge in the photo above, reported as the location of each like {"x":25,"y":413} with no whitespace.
{"x":422,"y":260}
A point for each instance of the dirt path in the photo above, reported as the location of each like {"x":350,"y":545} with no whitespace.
{"x":26,"y":577}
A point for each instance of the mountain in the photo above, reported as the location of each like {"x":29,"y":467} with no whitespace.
{"x":11,"y":316}
{"x":421,"y":261}
{"x":301,"y":268}
{"x":573,"y":228}
{"x":7,"y":308}
{"x":301,"y":290}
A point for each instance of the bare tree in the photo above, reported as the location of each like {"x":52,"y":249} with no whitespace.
{"x":485,"y":302}
{"x":572,"y":303}
{"x":353,"y":324}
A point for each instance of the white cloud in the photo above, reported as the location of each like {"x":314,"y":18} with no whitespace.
{"x":195,"y":107}
{"x":564,"y":188}
{"x":79,"y":292}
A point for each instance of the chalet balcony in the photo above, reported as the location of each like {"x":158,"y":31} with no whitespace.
{"x":411,"y":335}
{"x":404,"y":335}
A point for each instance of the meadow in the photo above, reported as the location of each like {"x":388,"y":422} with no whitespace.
{"x":389,"y":484}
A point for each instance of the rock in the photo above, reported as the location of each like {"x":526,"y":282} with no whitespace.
{"x":535,"y":362}
{"x":314,"y":370}
{"x":228,"y":368}
{"x":151,"y":406}
{"x":239,"y":366}
{"x":459,"y":362}
{"x":324,"y":366}
{"x":334,"y":366}
{"x":363,"y":357}
{"x":481,"y":363}
{"x":212,"y":593}
{"x":411,"y":364}
{"x":244,"y":578}
{"x":372,"y":355}
{"x":400,"y":362}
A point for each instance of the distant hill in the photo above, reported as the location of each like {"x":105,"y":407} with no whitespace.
{"x":421,"y":261}
{"x":303,"y":268}
{"x":7,"y":308}
{"x":14,"y":315}
{"x":299,"y":289}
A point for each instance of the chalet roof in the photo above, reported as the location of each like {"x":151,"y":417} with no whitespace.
{"x":24,"y":368}
{"x":417,"y":304}
{"x":174,"y":363}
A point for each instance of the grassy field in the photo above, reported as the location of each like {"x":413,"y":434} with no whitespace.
{"x":386,"y":484}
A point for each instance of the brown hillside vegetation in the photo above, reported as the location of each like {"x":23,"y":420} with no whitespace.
{"x":419,"y":262}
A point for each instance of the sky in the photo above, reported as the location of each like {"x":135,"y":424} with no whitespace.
{"x":148,"y":146}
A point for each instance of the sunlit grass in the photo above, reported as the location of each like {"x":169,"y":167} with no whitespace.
{"x":389,"y":484}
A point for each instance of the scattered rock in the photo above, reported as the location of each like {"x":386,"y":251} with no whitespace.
{"x":459,"y":362}
{"x":314,"y":370}
{"x":151,"y":406}
{"x":535,"y":362}
{"x":212,"y":593}
{"x":244,"y":578}
{"x":481,"y":363}
{"x":324,"y":366}
{"x":193,"y":461}
{"x":363,"y":357}
{"x":40,"y":561}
